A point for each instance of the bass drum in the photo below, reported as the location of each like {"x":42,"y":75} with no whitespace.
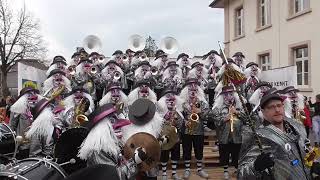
{"x":7,"y":140}
{"x":33,"y":169}
{"x":67,"y":148}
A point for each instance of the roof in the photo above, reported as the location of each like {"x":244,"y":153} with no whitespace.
{"x":34,"y":63}
{"x":217,"y":4}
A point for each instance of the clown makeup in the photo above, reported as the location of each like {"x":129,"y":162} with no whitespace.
{"x":111,"y":68}
{"x":170,"y":101}
{"x":264,"y":89}
{"x":58,"y":114}
{"x":185,"y":61}
{"x":292,"y":95}
{"x":228,"y":98}
{"x":32,"y":98}
{"x":118,"y":58}
{"x":192,"y":90}
{"x":115,"y":95}
{"x":199,"y":69}
{"x":254,"y":70}
{"x":144,"y":91}
{"x":238,"y":60}
{"x":87,"y":66}
{"x":61,"y":66}
{"x":144,"y":69}
{"x":58,"y":80}
{"x":212,"y":59}
{"x":78,"y":95}
{"x":172,"y":71}
{"x":76,"y":59}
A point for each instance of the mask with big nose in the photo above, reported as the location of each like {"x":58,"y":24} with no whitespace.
{"x":61,"y":66}
{"x":228,"y":98}
{"x":77,"y":97}
{"x":58,"y":80}
{"x":254,"y":70}
{"x":185,"y":61}
{"x":144,"y":91}
{"x":115,"y":95}
{"x":238,"y":60}
{"x":32,"y":99}
{"x":87,"y":67}
{"x":172,"y":71}
{"x":212,"y":59}
{"x":144,"y":69}
{"x":170,"y":101}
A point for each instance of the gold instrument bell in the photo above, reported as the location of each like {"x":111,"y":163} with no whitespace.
{"x":193,"y":120}
{"x":149,"y":143}
{"x":172,"y":133}
{"x":311,"y":156}
{"x":82,"y":107}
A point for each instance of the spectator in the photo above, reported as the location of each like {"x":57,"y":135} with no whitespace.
{"x":316,"y":119}
{"x":307,"y":123}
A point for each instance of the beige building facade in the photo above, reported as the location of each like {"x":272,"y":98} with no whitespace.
{"x":276,"y":33}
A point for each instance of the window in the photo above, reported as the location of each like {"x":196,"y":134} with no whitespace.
{"x":297,"y":6}
{"x":265,"y":62}
{"x":239,"y":31}
{"x":301,"y":61}
{"x":264,"y":13}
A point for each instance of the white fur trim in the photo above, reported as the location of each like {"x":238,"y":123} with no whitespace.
{"x":184,"y":95}
{"x":219,"y":102}
{"x":101,"y":137}
{"x":107,"y":99}
{"x":255,"y":98}
{"x":134,"y":95}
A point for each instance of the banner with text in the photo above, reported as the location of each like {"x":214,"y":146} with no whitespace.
{"x":281,"y":77}
{"x":29,"y":76}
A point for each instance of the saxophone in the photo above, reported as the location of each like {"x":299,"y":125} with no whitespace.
{"x":193,"y":119}
{"x":313,"y":154}
{"x":79,"y":117}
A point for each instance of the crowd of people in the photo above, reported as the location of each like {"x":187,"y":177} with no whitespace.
{"x":127,"y":114}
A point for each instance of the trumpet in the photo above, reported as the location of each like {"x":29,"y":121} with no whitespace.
{"x":154,"y":71}
{"x":101,"y":59}
{"x":72,"y":70}
{"x":93,"y":70}
{"x":116,"y":75}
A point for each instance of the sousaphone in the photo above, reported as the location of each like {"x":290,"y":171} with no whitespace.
{"x":149,"y":143}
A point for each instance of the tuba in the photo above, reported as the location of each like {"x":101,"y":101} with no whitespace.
{"x":169,"y":45}
{"x":136,"y":43}
{"x":193,"y":119}
{"x":92,"y":44}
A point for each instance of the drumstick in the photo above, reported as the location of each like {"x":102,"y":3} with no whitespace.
{"x":71,"y":161}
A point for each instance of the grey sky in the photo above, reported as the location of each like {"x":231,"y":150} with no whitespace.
{"x":65,"y":23}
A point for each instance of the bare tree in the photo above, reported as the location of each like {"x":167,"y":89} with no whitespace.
{"x":19,"y":39}
{"x":150,"y":47}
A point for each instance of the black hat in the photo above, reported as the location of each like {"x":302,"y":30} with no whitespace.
{"x":182,"y":55}
{"x":61,"y":58}
{"x":137,"y":53}
{"x":99,"y":114}
{"x":289,"y":89}
{"x":141,"y":111}
{"x":117,"y":52}
{"x":26,"y":90}
{"x":196,"y":64}
{"x":262,"y":84}
{"x":144,"y":63}
{"x":159,"y":53}
{"x":171,"y":63}
{"x":39,"y":107}
{"x":85,"y":60}
{"x":94,"y":53}
{"x":75,"y":54}
{"x":129,"y":51}
{"x":79,"y":88}
{"x":229,"y":61}
{"x":167,"y":91}
{"x":56,"y":71}
{"x":96,"y":172}
{"x":58,"y":61}
{"x":209,"y":53}
{"x":111,"y":62}
{"x":271,"y":94}
{"x":251,"y":64}
{"x":238,"y":54}
{"x":190,"y":81}
{"x":142,"y":82}
{"x":113,"y":86}
{"x":226,"y":89}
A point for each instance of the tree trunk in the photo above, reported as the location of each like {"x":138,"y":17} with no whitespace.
{"x":4,"y":86}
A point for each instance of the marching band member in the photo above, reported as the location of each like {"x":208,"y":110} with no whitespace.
{"x":316,"y":119}
{"x":115,"y":95}
{"x":170,"y":108}
{"x":143,"y":71}
{"x":239,"y":60}
{"x":184,"y":64}
{"x":21,"y":117}
{"x":160,"y":61}
{"x":195,"y":109}
{"x":171,"y":76}
{"x":55,"y":81}
{"x":283,"y":141}
{"x":142,"y":90}
{"x":138,"y":57}
{"x":118,"y":56}
{"x":213,"y":63}
{"x":199,"y":72}
{"x":253,"y":75}
{"x":58,"y":62}
{"x":112,"y":73}
{"x":227,"y":108}
{"x":72,"y":102}
{"x":104,"y":143}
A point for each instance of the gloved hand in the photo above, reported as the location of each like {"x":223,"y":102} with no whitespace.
{"x":263,"y":162}
{"x":140,"y":155}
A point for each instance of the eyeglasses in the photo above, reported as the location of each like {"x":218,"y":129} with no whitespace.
{"x":274,"y":107}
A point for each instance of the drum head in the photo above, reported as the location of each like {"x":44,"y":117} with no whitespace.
{"x":7,"y":140}
{"x":67,"y":147}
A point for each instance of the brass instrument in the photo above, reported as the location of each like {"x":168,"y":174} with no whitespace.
{"x":300,"y":117}
{"x":93,"y":70}
{"x":232,"y":119}
{"x":171,"y":132}
{"x":72,"y":70}
{"x":169,"y":45}
{"x":311,"y":156}
{"x":136,"y":43}
{"x":57,"y":92}
{"x":154,"y":71}
{"x":116,"y":75}
{"x":193,"y":119}
{"x":80,"y":118}
{"x":92,"y":44}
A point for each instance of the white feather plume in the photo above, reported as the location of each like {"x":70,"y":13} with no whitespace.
{"x":52,"y":67}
